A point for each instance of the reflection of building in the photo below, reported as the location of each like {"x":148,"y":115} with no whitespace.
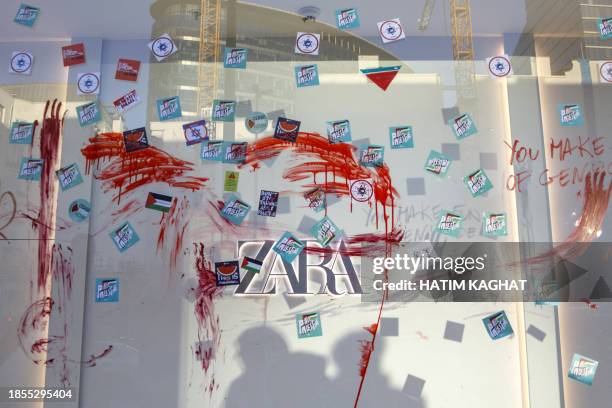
{"x":269,"y":36}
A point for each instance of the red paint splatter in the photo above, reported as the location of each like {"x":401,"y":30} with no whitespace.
{"x":91,"y":362}
{"x":126,"y":172}
{"x":209,"y":335}
{"x":176,"y":221}
{"x":34,"y":322}
{"x":364,"y":244}
{"x":590,"y":304}
{"x":335,"y":158}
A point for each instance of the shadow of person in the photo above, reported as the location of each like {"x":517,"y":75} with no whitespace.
{"x":274,"y":377}
{"x":376,"y":391}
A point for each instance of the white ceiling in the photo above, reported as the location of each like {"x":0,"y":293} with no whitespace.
{"x":130,"y":19}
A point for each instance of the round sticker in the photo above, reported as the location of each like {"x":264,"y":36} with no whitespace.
{"x":21,"y":62}
{"x":307,"y":43}
{"x":390,"y":30}
{"x":606,"y":71}
{"x":361,"y":190}
{"x":79,"y":210}
{"x":89,"y":83}
{"x":162,"y":47}
{"x":256,"y":122}
{"x":499,"y":66}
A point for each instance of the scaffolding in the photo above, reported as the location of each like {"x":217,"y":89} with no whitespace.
{"x":208,"y":56}
{"x":463,"y":49}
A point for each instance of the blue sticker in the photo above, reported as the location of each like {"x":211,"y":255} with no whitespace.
{"x":287,"y":129}
{"x":234,"y":152}
{"x":30,"y":169}
{"x":308,"y":325}
{"x":316,"y":199}
{"x":212,"y":150}
{"x":347,"y":19}
{"x":372,"y":155}
{"x":235,"y":58}
{"x":582,"y":369}
{"x":401,"y":137}
{"x":494,"y":225}
{"x":449,"y":223}
{"x":223,"y":111}
{"x":79,"y":210}
{"x":463,"y":126}
{"x":27,"y":15}
{"x":21,"y":133}
{"x":69,"y":177}
{"x":306,"y":75}
{"x":325,"y":231}
{"x":107,"y":290}
{"x":288,"y":247}
{"x":235,"y":210}
{"x":124,"y":237}
{"x":227,"y":273}
{"x":195,"y":132}
{"x":570,"y":115}
{"x":478,"y":183}
{"x":605,"y":28}
{"x":498,"y":325}
{"x":339,"y":131}
{"x":89,"y":114}
{"x":169,"y":108}
{"x":437,"y":164}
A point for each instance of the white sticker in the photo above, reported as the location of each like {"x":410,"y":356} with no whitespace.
{"x":88,"y":83}
{"x":605,"y":72}
{"x":21,"y":63}
{"x":391,"y":30}
{"x":307,"y":43}
{"x":499,"y":66}
{"x":162,"y":47}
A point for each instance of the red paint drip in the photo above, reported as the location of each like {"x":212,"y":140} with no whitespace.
{"x":91,"y":362}
{"x":364,"y":244}
{"x":175,"y":222}
{"x":126,"y":172}
{"x":590,"y":305}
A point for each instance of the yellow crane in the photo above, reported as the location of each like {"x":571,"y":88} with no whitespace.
{"x":208,"y":58}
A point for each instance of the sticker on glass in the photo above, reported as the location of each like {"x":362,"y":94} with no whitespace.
{"x":231,"y":181}
{"x":124,"y":237}
{"x":570,"y":115}
{"x":268,"y":202}
{"x":212,"y":150}
{"x":347,"y":19}
{"x":361,"y":190}
{"x":235,"y":210}
{"x":494,"y":225}
{"x":401,"y":137}
{"x":227,"y":273}
{"x":79,"y":210}
{"x":127,"y":101}
{"x":478,"y":183}
{"x":287,"y":129}
{"x":307,"y":43}
{"x":463,"y":126}
{"x":391,"y":30}
{"x":235,"y":58}
{"x":89,"y":114}
{"x":306,"y":75}
{"x":499,"y":66}
{"x":21,"y":63}
{"x":88,"y":83}
{"x":169,"y":108}
{"x":30,"y":169}
{"x":223,"y":111}
{"x":316,"y":199}
{"x":324,"y":231}
{"x":498,"y":325}
{"x":73,"y":54}
{"x":339,"y":131}
{"x":27,"y":15}
{"x":21,"y":133}
{"x":437,"y":164}
{"x":583,"y":369}
{"x":449,"y":223}
{"x":308,"y":325}
{"x":162,"y":47}
{"x":127,"y":70}
{"x":135,"y":139}
{"x":288,"y":247}
{"x":234,"y":152}
{"x":256,"y":122}
{"x":107,"y":290}
{"x":69,"y":177}
{"x":372,"y":155}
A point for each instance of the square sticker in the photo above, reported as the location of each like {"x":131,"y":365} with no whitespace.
{"x":73,"y":54}
{"x":227,"y":273}
{"x":107,"y":290}
{"x":463,"y":126}
{"x":234,"y":152}
{"x":212,"y":150}
{"x":169,"y":108}
{"x":605,"y":28}
{"x":316,"y":199}
{"x":605,"y":72}
{"x":21,"y":133}
{"x":162,"y":47}
{"x":306,"y":75}
{"x":478,"y":183}
{"x":235,"y":210}
{"x":159,"y":202}
{"x":583,"y":369}
{"x":135,"y":139}
{"x":308,"y":325}
{"x":494,"y":225}
{"x":127,"y":101}
{"x":449,"y":223}
{"x":124,"y":237}
{"x":89,"y":114}
{"x":570,"y":115}
{"x":268,"y":202}
{"x":339,"y":131}
{"x":195,"y":132}
{"x":287,"y":129}
{"x":401,"y":137}
{"x":391,"y":30}
{"x":437,"y":164}
{"x":307,"y":43}
{"x":21,"y":63}
{"x":324,"y":231}
{"x":288,"y":247}
{"x":88,"y":83}
{"x":69,"y":177}
{"x":372,"y":155}
{"x":127,"y":70}
{"x":27,"y":15}
{"x":231,"y":181}
{"x":347,"y":19}
{"x":30,"y":169}
{"x":223,"y":111}
{"x":498,"y":325}
{"x":235,"y":58}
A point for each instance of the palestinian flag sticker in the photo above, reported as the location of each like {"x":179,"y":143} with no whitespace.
{"x":382,"y":76}
{"x":251,"y":264}
{"x":159,"y":202}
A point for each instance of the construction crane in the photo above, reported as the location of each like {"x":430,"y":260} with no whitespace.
{"x":208,"y":56}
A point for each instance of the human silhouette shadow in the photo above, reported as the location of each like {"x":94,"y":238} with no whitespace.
{"x":274,"y":377}
{"x":376,"y":391}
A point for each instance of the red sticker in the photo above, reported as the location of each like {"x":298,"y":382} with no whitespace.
{"x":73,"y":54}
{"x":127,"y":70}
